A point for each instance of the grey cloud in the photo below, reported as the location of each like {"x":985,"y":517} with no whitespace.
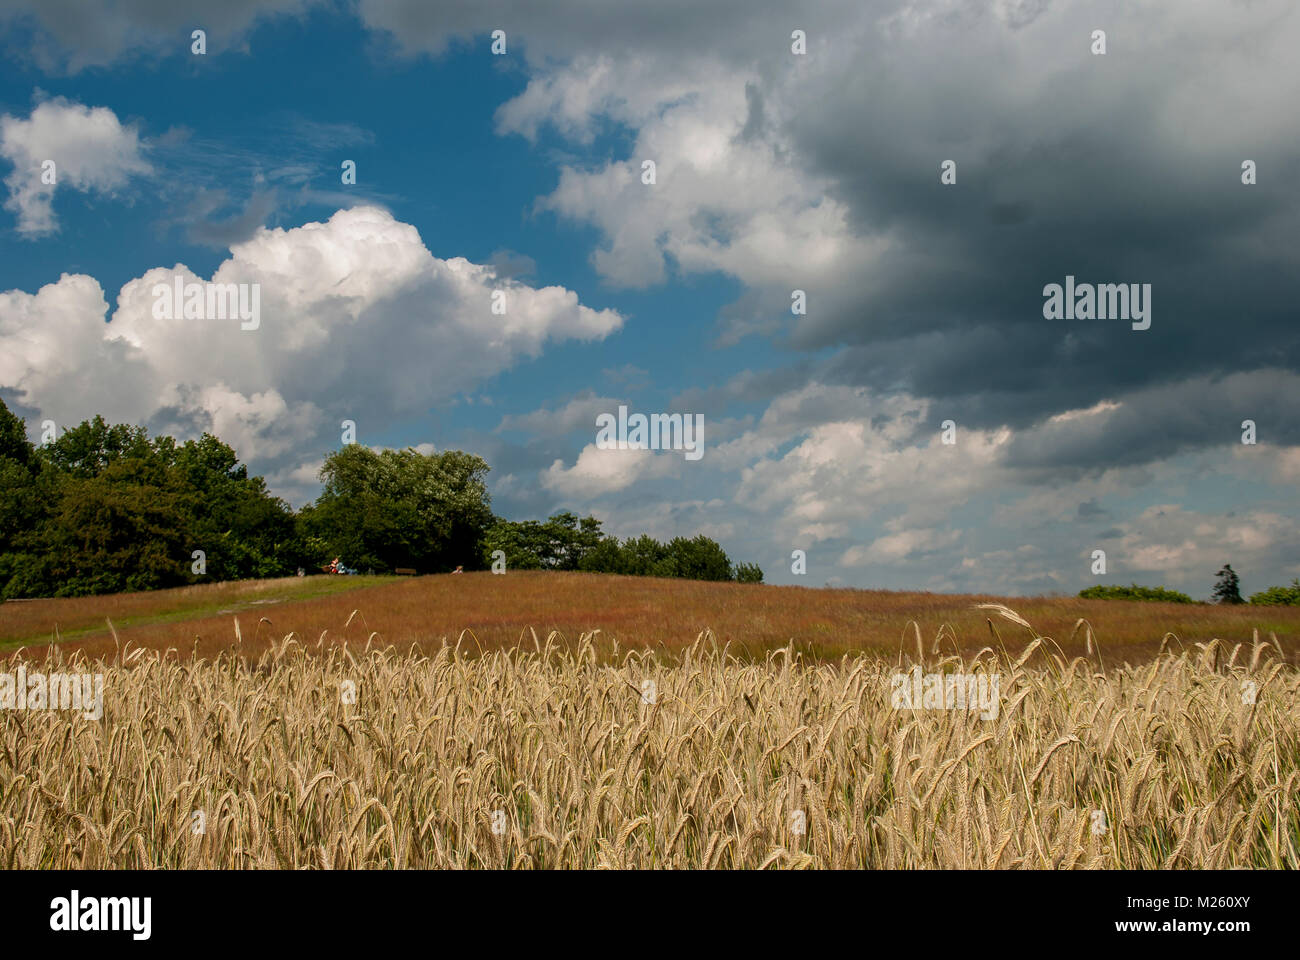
{"x":739,"y":31}
{"x":749,"y":387}
{"x":629,"y":375}
{"x":1104,"y":168}
{"x":1162,"y":422}
{"x":508,"y":263}
{"x":224,"y":233}
{"x":1091,"y":510}
{"x":579,"y":413}
{"x":70,"y":35}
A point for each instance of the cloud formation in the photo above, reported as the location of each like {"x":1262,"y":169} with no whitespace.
{"x":358,"y":321}
{"x":63,"y":144}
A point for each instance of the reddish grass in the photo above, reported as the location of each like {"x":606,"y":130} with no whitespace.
{"x":499,"y":610}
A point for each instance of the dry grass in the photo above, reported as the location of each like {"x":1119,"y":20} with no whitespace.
{"x":716,"y":772}
{"x":637,"y":611}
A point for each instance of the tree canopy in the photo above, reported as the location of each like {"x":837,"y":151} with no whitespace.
{"x":565,"y":542}
{"x":105,"y":508}
{"x":400,"y":508}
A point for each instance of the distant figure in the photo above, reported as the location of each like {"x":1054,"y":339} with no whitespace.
{"x":302,"y":572}
{"x":459,"y":570}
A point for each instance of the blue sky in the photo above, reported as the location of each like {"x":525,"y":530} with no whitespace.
{"x":776,"y":171}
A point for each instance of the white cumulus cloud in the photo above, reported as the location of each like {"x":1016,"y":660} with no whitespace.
{"x":358,"y":321}
{"x":90,"y":148}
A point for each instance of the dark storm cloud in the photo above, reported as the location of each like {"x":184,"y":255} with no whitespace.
{"x":1117,"y":168}
{"x":1161,"y":422}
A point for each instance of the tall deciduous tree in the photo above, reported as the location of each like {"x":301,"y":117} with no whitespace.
{"x":401,"y":508}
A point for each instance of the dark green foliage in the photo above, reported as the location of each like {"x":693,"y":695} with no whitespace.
{"x":699,"y":559}
{"x":14,"y":445}
{"x":561,"y":543}
{"x":401,"y":508}
{"x":24,"y":495}
{"x":565,"y":542}
{"x":20,"y":503}
{"x":1135,"y":592}
{"x":644,"y":556}
{"x":605,"y":557}
{"x":104,"y":508}
{"x":1227,"y":589}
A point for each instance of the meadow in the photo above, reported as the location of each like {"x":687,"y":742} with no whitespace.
{"x":498,"y":612}
{"x":548,"y":755}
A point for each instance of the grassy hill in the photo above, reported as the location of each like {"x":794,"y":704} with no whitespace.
{"x":490,"y":612}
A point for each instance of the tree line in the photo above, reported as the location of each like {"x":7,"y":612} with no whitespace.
{"x":1227,"y":590}
{"x":105,"y":508}
{"x":565,"y":542}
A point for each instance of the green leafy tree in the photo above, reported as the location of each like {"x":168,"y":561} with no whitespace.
{"x":522,"y":542}
{"x":695,"y":558}
{"x":1288,"y":596}
{"x":560,"y":543}
{"x":14,"y":444}
{"x":107,"y":535}
{"x":22,"y":501}
{"x":699,"y":558}
{"x":644,"y":556}
{"x":91,"y":447}
{"x":605,"y":557}
{"x":244,"y":531}
{"x":401,"y":508}
{"x":103,"y":509}
{"x":108,"y":522}
{"x":571,"y":539}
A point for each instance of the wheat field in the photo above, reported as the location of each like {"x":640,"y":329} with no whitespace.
{"x":555,"y":755}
